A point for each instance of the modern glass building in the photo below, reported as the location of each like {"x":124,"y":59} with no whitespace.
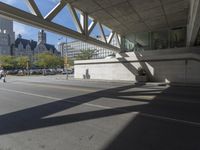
{"x":72,"y":49}
{"x":162,"y":39}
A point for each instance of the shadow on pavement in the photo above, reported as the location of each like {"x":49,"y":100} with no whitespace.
{"x":150,"y":129}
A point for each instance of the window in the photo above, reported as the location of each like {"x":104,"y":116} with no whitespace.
{"x":198,"y":39}
{"x":178,"y":37}
{"x":160,"y":40}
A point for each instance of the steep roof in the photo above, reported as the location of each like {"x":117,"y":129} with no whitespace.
{"x":49,"y":46}
{"x":33,"y":44}
{"x":25,"y":42}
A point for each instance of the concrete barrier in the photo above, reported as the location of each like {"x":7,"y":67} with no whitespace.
{"x":181,"y":65}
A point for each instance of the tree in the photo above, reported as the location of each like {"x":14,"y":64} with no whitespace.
{"x":22,"y":62}
{"x":48,"y":60}
{"x":85,"y":54}
{"x":70,"y":62}
{"x":59,"y":61}
{"x":7,"y":62}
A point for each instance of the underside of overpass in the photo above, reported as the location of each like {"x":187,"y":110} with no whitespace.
{"x":132,"y":22}
{"x":130,"y":16}
{"x":149,"y":23}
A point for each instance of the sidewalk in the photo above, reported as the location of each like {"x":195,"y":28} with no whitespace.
{"x":40,"y":78}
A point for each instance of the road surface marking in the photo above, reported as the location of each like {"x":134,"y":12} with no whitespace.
{"x":107,"y":107}
{"x":54,"y":98}
{"x":170,"y":119}
{"x":58,"y":87}
{"x":30,"y":94}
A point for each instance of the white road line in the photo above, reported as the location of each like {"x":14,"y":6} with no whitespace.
{"x":170,"y":119}
{"x":142,"y":97}
{"x":55,"y":98}
{"x":30,"y":94}
{"x":58,"y":87}
{"x":106,"y":107}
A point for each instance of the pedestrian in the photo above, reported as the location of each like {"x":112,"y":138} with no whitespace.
{"x":1,"y":72}
{"x":3,"y":75}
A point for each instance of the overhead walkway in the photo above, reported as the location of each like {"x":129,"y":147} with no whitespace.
{"x":123,"y":18}
{"x":84,"y":27}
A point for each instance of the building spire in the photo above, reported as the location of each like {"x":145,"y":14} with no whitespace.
{"x":42,"y":37}
{"x":19,"y":36}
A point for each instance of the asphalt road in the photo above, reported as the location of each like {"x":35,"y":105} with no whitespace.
{"x":47,"y":113}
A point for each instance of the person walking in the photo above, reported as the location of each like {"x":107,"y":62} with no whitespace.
{"x":3,"y":75}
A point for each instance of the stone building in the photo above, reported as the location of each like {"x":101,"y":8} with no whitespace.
{"x":24,"y":47}
{"x":7,"y":36}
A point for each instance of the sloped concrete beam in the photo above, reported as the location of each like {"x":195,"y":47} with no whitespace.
{"x":194,"y":22}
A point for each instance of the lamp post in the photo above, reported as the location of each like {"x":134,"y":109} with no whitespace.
{"x":65,"y":66}
{"x":27,"y":67}
{"x":63,"y":49}
{"x":65,"y":59}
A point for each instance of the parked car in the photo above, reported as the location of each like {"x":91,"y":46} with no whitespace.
{"x":49,"y":72}
{"x":12,"y":72}
{"x":20,"y":73}
{"x":59,"y":70}
{"x":35,"y":71}
{"x":69,"y":71}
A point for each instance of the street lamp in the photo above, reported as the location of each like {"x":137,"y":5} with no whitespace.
{"x":27,"y":67}
{"x":65,"y":59}
{"x":64,"y":55}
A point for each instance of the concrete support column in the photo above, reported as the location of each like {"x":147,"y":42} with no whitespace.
{"x":194,"y":22}
{"x":123,"y":44}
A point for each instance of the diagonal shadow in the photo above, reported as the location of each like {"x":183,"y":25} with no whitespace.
{"x":33,"y":118}
{"x":142,"y":132}
{"x":128,"y":65}
{"x":146,"y":132}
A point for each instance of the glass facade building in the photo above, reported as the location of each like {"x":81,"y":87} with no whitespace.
{"x":169,"y":38}
{"x":74,"y":48}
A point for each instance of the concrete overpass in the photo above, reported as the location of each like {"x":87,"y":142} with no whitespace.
{"x":137,"y":25}
{"x":124,"y":17}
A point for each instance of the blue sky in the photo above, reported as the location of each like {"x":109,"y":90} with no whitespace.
{"x":30,"y":32}
{"x":63,"y":18}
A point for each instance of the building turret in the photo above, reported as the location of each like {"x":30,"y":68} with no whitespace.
{"x":42,"y":37}
{"x":7,"y":36}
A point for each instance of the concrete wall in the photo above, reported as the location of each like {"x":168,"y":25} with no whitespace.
{"x":172,"y":65}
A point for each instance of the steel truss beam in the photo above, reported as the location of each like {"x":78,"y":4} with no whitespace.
{"x":76,"y":19}
{"x":36,"y":19}
{"x":110,"y":37}
{"x":33,"y":8}
{"x":102,"y":33}
{"x":119,"y":40}
{"x":55,"y":10}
